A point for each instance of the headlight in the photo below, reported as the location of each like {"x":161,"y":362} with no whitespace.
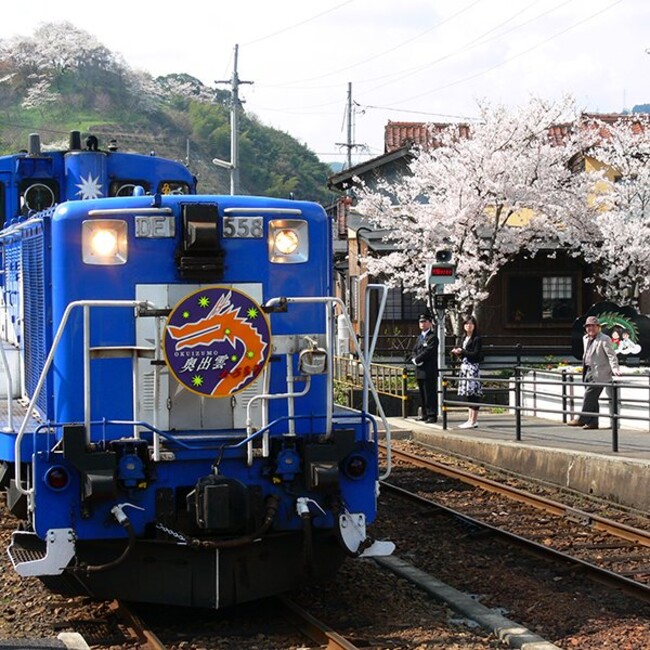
{"x":104,"y":242}
{"x":288,"y":241}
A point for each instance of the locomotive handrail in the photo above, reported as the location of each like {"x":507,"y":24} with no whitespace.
{"x":330,"y":365}
{"x":46,"y":368}
{"x":135,"y":211}
{"x":243,"y":210}
{"x":10,"y":388}
{"x":370,"y":350}
{"x":260,"y":396}
{"x":86,"y":304}
{"x":370,"y":347}
{"x":5,"y":363}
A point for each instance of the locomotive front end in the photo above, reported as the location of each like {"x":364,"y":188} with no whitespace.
{"x":191,"y":449}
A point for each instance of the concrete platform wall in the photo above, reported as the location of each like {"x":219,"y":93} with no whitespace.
{"x":622,"y":480}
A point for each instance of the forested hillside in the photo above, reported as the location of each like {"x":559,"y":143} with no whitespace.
{"x":62,"y":79}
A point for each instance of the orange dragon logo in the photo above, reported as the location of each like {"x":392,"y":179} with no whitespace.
{"x":217,"y":341}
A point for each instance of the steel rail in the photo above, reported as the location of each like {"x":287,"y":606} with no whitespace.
{"x":637,"y":589}
{"x":595,"y":522}
{"x":147,"y":640}
{"x":312,"y":628}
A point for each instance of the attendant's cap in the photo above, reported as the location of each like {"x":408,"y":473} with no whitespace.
{"x":425,"y":316}
{"x":592,"y":320}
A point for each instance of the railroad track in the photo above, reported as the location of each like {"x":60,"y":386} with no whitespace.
{"x":609,"y":550}
{"x":312,"y":628}
{"x":298,"y":618}
{"x":136,"y":627}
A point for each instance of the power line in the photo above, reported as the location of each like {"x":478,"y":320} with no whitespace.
{"x":382,"y":53}
{"x":470,"y":45}
{"x":303,"y":22}
{"x":512,"y":58}
{"x":401,"y":74}
{"x":406,"y":110}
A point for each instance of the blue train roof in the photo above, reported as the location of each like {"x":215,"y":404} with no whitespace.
{"x":34,"y":180}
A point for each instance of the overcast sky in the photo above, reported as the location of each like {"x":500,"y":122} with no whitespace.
{"x":410,"y":60}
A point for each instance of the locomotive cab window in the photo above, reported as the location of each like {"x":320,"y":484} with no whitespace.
{"x":173,"y":187}
{"x":38,"y":194}
{"x":127,"y":188}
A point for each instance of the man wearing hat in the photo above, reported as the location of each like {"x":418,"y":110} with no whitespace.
{"x":425,"y":359}
{"x":599,"y":364}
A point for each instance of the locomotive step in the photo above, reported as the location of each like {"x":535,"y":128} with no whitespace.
{"x":30,"y":556}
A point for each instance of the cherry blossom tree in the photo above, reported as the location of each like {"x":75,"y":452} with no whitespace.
{"x":621,"y":196}
{"x":39,"y":93}
{"x":504,"y":188}
{"x":56,"y":50}
{"x":62,"y":46}
{"x":57,"y":47}
{"x":186,"y":86}
{"x":41,"y":62}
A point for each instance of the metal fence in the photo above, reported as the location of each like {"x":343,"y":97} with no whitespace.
{"x":552,"y":393}
{"x":390,"y":381}
{"x":397,"y":347}
{"x":557,"y":395}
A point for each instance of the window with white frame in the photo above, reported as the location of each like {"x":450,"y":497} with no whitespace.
{"x":558,"y":301}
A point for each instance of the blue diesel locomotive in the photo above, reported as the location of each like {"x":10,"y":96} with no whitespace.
{"x":169,"y":432}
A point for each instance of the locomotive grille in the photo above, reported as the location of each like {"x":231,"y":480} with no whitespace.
{"x":12,"y":272}
{"x":146,"y":391}
{"x":34,"y":310}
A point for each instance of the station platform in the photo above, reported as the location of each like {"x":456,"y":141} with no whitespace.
{"x":571,"y":457}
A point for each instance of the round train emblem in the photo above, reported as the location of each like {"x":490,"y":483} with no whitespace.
{"x":217,"y":341}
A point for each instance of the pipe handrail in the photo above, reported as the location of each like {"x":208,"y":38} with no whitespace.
{"x":332,"y":301}
{"x":84,"y":304}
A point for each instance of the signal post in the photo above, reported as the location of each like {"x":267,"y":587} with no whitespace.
{"x":438,"y":273}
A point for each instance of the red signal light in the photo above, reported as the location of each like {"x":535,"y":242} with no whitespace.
{"x":355,"y":466}
{"x":442,"y":271}
{"x":57,"y":478}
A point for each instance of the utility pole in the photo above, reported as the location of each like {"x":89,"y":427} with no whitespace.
{"x":349,"y":144}
{"x":235,"y":105}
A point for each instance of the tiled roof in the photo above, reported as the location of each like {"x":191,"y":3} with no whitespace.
{"x":559,"y":132}
{"x":639,"y":121}
{"x":401,"y":134}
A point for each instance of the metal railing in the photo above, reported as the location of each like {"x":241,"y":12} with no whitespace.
{"x":535,"y":391}
{"x":516,"y":390}
{"x":389,"y":381}
{"x":85,"y":306}
{"x":397,"y":347}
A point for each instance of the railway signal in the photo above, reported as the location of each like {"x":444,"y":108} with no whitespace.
{"x":441,"y":270}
